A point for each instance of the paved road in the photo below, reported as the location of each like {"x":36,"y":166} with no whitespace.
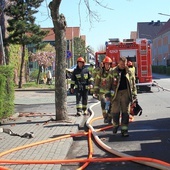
{"x":36,"y":108}
{"x":149,"y":133}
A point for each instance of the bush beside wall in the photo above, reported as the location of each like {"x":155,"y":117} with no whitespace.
{"x":161,"y":70}
{"x":6,"y":91}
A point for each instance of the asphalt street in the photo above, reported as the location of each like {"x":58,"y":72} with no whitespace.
{"x":149,"y":134}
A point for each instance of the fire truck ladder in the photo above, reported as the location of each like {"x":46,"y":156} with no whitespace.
{"x":144,"y":61}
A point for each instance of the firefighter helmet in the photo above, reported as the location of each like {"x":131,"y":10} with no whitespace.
{"x":107,"y":60}
{"x":129,"y":64}
{"x":81,"y":59}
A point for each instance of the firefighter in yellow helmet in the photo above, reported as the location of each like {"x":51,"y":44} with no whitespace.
{"x":81,"y":81}
{"x":102,"y":87}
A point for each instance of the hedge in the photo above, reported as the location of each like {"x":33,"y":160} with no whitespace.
{"x":6,"y":91}
{"x":161,"y":70}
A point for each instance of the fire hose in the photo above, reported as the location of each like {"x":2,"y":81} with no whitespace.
{"x":160,"y":87}
{"x":91,"y":131}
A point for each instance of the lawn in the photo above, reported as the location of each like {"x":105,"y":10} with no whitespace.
{"x":34,"y":85}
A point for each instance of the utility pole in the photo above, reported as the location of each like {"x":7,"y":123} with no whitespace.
{"x":72,"y":45}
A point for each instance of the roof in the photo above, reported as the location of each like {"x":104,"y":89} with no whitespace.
{"x":149,"y":29}
{"x":165,"y":28}
{"x":70,"y":33}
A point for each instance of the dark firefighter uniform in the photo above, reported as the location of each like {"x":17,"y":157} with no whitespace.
{"x":80,"y":81}
{"x":102,"y":86}
{"x":124,"y":87}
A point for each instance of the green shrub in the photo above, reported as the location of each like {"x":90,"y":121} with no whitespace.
{"x":161,"y":70}
{"x":34,"y":75}
{"x":168,"y":71}
{"x":6,"y":91}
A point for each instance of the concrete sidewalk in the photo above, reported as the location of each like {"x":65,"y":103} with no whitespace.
{"x":34,"y":110}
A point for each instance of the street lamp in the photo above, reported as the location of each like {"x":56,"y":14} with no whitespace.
{"x":164,"y":14}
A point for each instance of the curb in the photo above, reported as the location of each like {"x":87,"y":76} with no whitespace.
{"x":34,"y":89}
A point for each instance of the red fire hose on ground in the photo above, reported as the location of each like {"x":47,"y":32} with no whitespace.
{"x":91,"y":131}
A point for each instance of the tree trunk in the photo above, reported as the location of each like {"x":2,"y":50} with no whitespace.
{"x":16,"y":76}
{"x":22,"y":66}
{"x":60,"y":61}
{"x":39,"y":72}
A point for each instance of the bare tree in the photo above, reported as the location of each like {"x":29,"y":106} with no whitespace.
{"x":60,"y":61}
{"x":59,"y":23}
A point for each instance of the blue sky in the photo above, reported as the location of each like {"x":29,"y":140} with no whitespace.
{"x":115,"y":23}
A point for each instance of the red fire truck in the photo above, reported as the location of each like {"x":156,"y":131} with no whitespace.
{"x":138,"y":52}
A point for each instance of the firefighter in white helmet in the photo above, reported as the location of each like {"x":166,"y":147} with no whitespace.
{"x":102,"y":87}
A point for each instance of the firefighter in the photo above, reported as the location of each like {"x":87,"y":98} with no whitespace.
{"x":96,"y":70}
{"x":131,"y":67}
{"x":81,"y":81}
{"x":102,"y":87}
{"x":91,"y":67}
{"x":124,"y":88}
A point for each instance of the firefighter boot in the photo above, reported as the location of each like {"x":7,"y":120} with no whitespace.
{"x":106,"y":119}
{"x":115,"y":129}
{"x":79,"y":112}
{"x":85,"y":112}
{"x":124,"y":131}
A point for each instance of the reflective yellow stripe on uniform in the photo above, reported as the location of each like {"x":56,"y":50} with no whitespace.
{"x":72,"y":82}
{"x":91,"y":79}
{"x":104,"y":91}
{"x":84,"y":106}
{"x":79,"y":106}
{"x":86,"y":87}
{"x":115,"y":74}
{"x":96,"y":87}
{"x":78,"y":76}
{"x":97,"y":76}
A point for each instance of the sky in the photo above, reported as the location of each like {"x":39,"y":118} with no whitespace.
{"x":115,"y":20}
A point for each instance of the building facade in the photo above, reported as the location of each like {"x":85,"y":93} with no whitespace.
{"x":159,"y":34}
{"x":161,"y":46}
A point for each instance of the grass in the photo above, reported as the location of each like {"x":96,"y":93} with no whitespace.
{"x":31,"y":85}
